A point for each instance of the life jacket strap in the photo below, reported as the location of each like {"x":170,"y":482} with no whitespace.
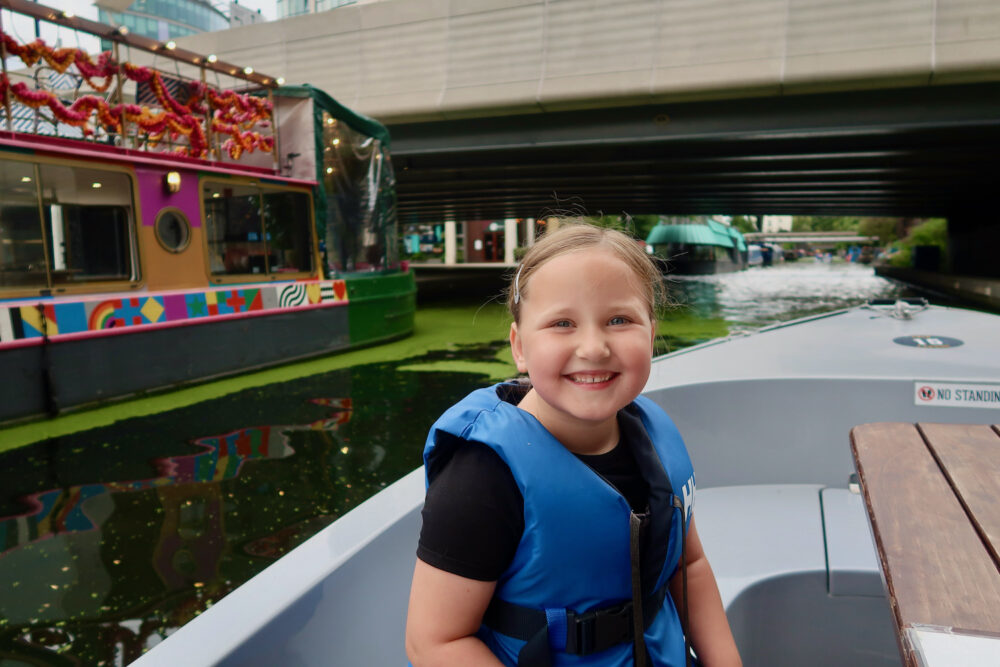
{"x":590,"y":632}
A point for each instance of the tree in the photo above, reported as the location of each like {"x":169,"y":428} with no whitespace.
{"x":638,"y":226}
{"x":824,"y":223}
{"x":746,"y":224}
{"x":883,"y":228}
{"x":930,"y":232}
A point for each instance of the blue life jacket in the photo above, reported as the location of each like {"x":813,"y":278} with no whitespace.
{"x":574,"y":554}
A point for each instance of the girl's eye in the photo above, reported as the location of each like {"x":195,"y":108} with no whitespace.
{"x":561,"y":323}
{"x":618,"y":320}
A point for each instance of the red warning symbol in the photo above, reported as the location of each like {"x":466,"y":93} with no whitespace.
{"x":926,"y":393}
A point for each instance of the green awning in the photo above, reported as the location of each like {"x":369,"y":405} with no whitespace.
{"x":690,"y":233}
{"x":741,"y":243}
{"x":726,"y":233}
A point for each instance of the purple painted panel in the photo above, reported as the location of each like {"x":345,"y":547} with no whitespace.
{"x":175,"y":306}
{"x":154,"y":197}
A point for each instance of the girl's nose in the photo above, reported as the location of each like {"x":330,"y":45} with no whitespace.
{"x":592,"y":345}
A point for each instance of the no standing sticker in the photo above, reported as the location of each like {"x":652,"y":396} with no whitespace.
{"x":957,"y":395}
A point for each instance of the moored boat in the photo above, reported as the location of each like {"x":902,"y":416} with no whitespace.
{"x":698,"y":248}
{"x":156,"y":230}
{"x":786,"y":535}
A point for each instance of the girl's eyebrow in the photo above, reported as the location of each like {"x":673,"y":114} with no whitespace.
{"x":625,"y":304}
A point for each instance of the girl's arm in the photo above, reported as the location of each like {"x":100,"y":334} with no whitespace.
{"x":445,"y":612}
{"x":709,"y":632}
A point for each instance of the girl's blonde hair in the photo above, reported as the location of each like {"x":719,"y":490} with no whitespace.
{"x":578,"y":234}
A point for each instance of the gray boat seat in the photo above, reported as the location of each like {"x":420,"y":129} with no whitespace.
{"x":852,"y":561}
{"x":798,"y":574}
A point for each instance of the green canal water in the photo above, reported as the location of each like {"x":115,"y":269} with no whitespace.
{"x":120,"y":524}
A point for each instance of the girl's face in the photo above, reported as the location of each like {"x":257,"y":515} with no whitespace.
{"x":585,"y":338}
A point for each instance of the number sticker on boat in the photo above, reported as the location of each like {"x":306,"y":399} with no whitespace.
{"x":957,"y":395}
{"x":927,"y":341}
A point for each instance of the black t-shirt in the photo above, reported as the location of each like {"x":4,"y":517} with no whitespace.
{"x":473,"y":515}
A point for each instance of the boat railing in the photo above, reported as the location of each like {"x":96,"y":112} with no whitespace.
{"x":195,"y":106}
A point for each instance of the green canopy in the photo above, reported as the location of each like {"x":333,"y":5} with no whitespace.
{"x":733,"y":236}
{"x":741,"y":244}
{"x":693,"y":234}
{"x":358,"y":122}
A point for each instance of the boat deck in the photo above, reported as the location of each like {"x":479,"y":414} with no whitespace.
{"x":931,"y":493}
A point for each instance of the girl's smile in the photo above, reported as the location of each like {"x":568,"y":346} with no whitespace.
{"x":591,"y":378}
{"x":585,"y":338}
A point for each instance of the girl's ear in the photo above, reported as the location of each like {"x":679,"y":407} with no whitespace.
{"x":515,"y":349}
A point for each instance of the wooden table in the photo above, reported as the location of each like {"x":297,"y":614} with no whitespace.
{"x":933,"y":497}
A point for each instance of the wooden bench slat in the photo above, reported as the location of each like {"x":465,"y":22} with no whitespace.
{"x":937,"y":570}
{"x":970,"y":457}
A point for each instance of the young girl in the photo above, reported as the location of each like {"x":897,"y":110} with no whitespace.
{"x":557,"y":527}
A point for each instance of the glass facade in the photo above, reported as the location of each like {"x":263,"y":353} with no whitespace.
{"x":167,"y":19}
{"x":288,"y":8}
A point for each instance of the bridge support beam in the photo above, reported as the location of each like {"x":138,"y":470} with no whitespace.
{"x":509,"y":239}
{"x":450,"y":245}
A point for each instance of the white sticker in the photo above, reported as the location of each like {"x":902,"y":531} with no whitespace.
{"x":956,"y":395}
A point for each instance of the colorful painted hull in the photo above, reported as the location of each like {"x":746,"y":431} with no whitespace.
{"x":66,"y":352}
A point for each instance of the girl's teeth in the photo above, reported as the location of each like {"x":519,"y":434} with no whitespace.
{"x":592,"y":379}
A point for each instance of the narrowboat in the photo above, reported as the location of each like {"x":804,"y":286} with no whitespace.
{"x":167,"y":226}
{"x":697,"y":247}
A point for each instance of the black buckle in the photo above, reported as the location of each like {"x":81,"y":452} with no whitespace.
{"x":599,"y":629}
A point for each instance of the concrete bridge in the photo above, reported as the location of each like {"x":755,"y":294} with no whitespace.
{"x":418,"y":60}
{"x":813,"y":238}
{"x":505,"y":109}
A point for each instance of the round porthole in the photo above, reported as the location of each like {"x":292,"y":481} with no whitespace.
{"x":173,"y":230}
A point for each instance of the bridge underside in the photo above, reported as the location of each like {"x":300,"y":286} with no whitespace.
{"x":927,"y":151}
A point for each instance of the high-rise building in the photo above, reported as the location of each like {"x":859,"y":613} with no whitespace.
{"x":288,"y":8}
{"x":167,"y":19}
{"x":240,"y":15}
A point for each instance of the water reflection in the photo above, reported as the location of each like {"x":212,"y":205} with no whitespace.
{"x":112,"y":537}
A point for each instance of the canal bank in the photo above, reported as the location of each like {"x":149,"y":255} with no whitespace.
{"x":976,"y":291}
{"x":438,"y":283}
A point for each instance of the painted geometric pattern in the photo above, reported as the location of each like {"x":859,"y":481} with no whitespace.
{"x":65,"y":315}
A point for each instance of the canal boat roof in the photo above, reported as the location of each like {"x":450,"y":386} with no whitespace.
{"x":878,"y":340}
{"x":712,"y":233}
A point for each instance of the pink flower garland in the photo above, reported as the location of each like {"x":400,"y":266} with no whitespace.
{"x":234,"y":114}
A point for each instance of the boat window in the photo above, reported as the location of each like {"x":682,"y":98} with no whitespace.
{"x":61,"y":224}
{"x":173,"y":230}
{"x":254,"y":230}
{"x":235,"y":237}
{"x":86,"y":220}
{"x":22,"y":247}
{"x":289,"y":241}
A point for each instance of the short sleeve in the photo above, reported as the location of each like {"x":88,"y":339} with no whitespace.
{"x":473,"y":515}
